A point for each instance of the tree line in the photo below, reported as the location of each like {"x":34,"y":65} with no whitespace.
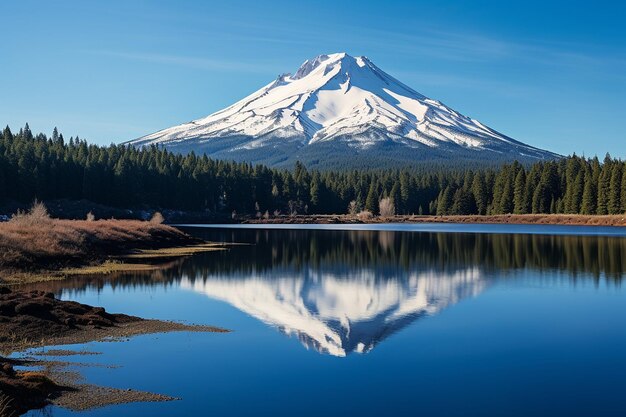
{"x":395,"y":252}
{"x":41,"y":167}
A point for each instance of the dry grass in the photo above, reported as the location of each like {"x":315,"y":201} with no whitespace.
{"x":157,"y":218}
{"x":107,"y":267}
{"x":37,"y":215}
{"x":387,"y":208}
{"x":52,"y":237}
{"x":173,"y":251}
{"x":33,"y":241}
{"x":5,"y":406}
{"x":367,"y":217}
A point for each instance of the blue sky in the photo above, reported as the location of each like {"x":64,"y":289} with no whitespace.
{"x":551,"y":74}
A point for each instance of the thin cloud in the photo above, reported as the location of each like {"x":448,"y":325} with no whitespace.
{"x":192,"y":62}
{"x":412,"y":37}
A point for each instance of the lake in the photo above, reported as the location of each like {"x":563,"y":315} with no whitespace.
{"x":373,"y":320}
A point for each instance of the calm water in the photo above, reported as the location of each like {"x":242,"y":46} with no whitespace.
{"x":522,"y":321}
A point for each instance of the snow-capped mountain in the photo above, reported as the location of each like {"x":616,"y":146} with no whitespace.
{"x":336,"y":107}
{"x":340,"y":313}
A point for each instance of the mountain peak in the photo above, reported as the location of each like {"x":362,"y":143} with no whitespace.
{"x":311,"y":65}
{"x":336,"y":106}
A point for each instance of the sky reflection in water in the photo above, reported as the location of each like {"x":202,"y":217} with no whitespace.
{"x":441,"y":323}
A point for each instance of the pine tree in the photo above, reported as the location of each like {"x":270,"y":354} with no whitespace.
{"x":26,"y":133}
{"x":615,"y":185}
{"x":603,"y":190}
{"x":462,"y":203}
{"x":588,"y":205}
{"x":407,"y":194}
{"x":547,"y":190}
{"x":623,"y":190}
{"x":444,"y":204}
{"x":498,"y":187}
{"x":520,"y":198}
{"x":3,"y":193}
{"x":371,"y":201}
{"x":315,"y":191}
{"x":572,"y":169}
{"x":479,"y":191}
{"x":396,"y":195}
{"x":7,"y":135}
{"x":506,"y":198}
{"x":576,"y":196}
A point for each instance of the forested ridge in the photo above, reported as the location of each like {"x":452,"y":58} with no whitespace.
{"x":42,"y":167}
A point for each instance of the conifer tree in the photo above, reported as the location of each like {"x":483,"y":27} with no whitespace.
{"x":506,"y":198}
{"x":588,"y":205}
{"x":462,"y":203}
{"x":7,"y":135}
{"x":572,"y":168}
{"x":407,"y":194}
{"x":615,"y":185}
{"x":3,"y":193}
{"x":444,"y":204}
{"x":26,"y":133}
{"x":603,"y":190}
{"x":623,"y":189}
{"x":396,"y":196}
{"x":315,"y":191}
{"x":498,"y":188}
{"x":479,"y":191}
{"x":520,"y":198}
{"x":371,"y":202}
{"x":576,"y":195}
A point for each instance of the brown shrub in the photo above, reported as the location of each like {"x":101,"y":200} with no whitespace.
{"x":36,"y":215}
{"x":353,"y":208}
{"x":386,"y":207}
{"x":365,"y":215}
{"x":157,"y":218}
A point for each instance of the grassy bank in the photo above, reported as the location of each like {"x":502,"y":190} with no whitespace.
{"x":34,"y":246}
{"x":552,"y":219}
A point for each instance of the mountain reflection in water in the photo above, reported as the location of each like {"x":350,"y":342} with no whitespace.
{"x":340,"y":292}
{"x":341,"y":313}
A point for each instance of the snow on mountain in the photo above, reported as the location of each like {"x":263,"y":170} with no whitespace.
{"x":339,"y":103}
{"x":339,"y":313}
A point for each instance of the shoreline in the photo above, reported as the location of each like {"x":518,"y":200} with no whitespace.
{"x":36,"y":248}
{"x":45,"y":249}
{"x":521,"y":219}
{"x":35,"y":319}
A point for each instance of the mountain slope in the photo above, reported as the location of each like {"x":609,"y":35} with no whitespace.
{"x":340,"y":110}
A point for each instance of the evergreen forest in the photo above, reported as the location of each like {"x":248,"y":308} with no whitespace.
{"x":51,"y":167}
